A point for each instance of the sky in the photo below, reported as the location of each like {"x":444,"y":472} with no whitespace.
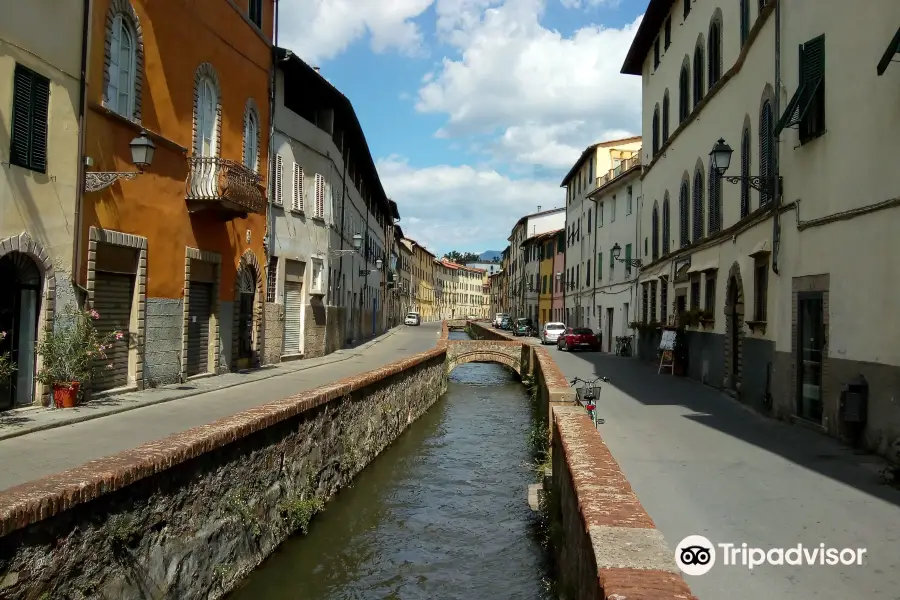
{"x":474,"y":110}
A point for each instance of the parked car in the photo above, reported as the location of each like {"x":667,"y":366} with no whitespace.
{"x":413,"y":319}
{"x":578,"y":338}
{"x":471,"y":318}
{"x":506,"y":323}
{"x":522,"y":327}
{"x":551,"y":331}
{"x":498,"y":319}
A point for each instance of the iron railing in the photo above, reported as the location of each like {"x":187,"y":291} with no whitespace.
{"x":616,"y":171}
{"x":214,"y":179}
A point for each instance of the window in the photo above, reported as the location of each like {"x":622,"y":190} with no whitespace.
{"x":320,"y":197}
{"x":600,"y":212}
{"x":578,"y":274}
{"x":317,"y":284}
{"x":255,"y":12}
{"x":665,"y":246}
{"x":683,"y":215}
{"x":715,"y":201}
{"x":587,"y":276}
{"x":760,"y":289}
{"x":711,"y":292}
{"x":698,"y":207}
{"x":695,"y":291}
{"x":668,"y":34}
{"x":656,"y":130}
{"x":745,"y":173}
{"x":297,"y":196}
{"x":665,"y":118}
{"x":687,"y":8}
{"x":119,"y":95}
{"x":207,"y":118}
{"x":251,"y":138}
{"x":628,"y":260}
{"x":543,"y":284}
{"x":698,"y":75}
{"x":644,"y":303}
{"x":806,"y":108}
{"x":589,"y":222}
{"x":714,"y":51}
{"x":684,"y":94}
{"x":271,"y":278}
{"x":599,"y":266}
{"x":766,"y":160}
{"x":745,"y":21}
{"x":654,"y":231}
{"x":629,"y":200}
{"x":612,"y":210}
{"x":652,"y":301}
{"x":663,"y":301}
{"x":277,"y":178}
{"x":612,"y":266}
{"x":656,"y":54}
{"x":28,"y":131}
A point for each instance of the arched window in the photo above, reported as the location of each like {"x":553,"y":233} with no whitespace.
{"x":684,"y":214}
{"x":745,"y":173}
{"x":698,"y":74}
{"x":665,"y":117}
{"x":666,"y":243}
{"x":684,"y":94}
{"x":698,"y":207}
{"x":251,"y":137}
{"x":654,"y":231}
{"x":766,"y":160}
{"x":121,"y":74}
{"x":715,"y":200}
{"x":714,"y":52}
{"x":655,"y":130}
{"x":207,"y":112}
{"x":745,"y":21}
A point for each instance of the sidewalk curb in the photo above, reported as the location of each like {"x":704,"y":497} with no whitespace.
{"x":269,"y":373}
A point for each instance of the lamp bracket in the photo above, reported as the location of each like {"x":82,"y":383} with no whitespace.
{"x":94,"y":181}
{"x":757,"y":182}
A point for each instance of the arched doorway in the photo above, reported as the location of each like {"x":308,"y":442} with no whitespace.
{"x":246,"y":301}
{"x":19,"y":304}
{"x":734,"y":328}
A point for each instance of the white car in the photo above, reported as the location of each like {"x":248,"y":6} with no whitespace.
{"x":498,"y":318}
{"x":551,"y":331}
{"x":412,"y":319}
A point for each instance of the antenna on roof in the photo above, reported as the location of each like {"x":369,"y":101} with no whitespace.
{"x":539,"y":208}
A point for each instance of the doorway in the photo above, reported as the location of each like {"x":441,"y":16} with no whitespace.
{"x":246,"y":300}
{"x":810,"y":354}
{"x":609,"y":328}
{"x":19,"y":302}
{"x":734,"y":318}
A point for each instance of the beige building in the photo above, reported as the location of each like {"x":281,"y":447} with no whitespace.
{"x":523,"y":265}
{"x":589,"y":171}
{"x":788,"y":311}
{"x":40,"y":65}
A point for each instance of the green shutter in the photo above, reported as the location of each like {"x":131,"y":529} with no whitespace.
{"x":39,"y":118}
{"x":20,"y":140}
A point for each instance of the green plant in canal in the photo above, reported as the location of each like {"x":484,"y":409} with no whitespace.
{"x":299,"y":512}
{"x":237,"y":504}
{"x":123,"y":531}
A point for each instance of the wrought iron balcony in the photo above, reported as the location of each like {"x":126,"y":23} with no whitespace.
{"x":223,"y":185}
{"x":619,"y":169}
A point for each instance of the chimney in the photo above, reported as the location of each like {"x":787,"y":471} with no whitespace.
{"x":539,"y":208}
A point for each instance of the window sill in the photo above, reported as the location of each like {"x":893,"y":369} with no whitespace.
{"x":319,"y":219}
{"x":297,"y":212}
{"x":806,"y":140}
{"x":755,"y":326}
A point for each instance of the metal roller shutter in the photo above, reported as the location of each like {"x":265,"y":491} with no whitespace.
{"x":199,"y":311}
{"x":293,"y":305}
{"x":113,"y":294}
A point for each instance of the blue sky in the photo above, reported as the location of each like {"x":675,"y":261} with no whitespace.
{"x":474,"y":109}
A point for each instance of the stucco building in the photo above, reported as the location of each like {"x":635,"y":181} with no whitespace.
{"x":558,"y":299}
{"x":788,"y":314}
{"x":527,"y":227}
{"x":41,"y":54}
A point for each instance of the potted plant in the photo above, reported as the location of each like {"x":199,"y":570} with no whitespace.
{"x":70,"y":350}
{"x":7,"y":367}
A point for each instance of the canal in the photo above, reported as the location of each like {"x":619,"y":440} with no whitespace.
{"x":442,"y":513}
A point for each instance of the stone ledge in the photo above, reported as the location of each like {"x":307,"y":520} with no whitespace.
{"x":41,"y":499}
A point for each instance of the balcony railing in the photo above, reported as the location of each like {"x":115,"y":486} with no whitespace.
{"x":226,"y":185}
{"x":619,"y":169}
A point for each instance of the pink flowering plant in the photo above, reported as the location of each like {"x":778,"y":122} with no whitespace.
{"x":7,"y":367}
{"x":72,"y":347}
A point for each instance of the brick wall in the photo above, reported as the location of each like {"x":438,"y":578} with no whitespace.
{"x":609,"y":547}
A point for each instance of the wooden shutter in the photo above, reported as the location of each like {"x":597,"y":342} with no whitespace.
{"x":31,"y":104}
{"x":745,"y":173}
{"x":199,"y":314}
{"x":278,"y":176}
{"x":666,"y":245}
{"x":297,"y":196}
{"x":698,"y":207}
{"x":320,"y":196}
{"x":113,"y":300}
{"x":765,"y":147}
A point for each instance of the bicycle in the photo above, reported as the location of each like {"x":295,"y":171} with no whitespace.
{"x":623,"y":345}
{"x":588,"y":394}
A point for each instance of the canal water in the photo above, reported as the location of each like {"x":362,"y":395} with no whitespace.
{"x":441,"y":514}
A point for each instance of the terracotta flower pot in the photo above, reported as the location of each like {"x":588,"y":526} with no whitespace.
{"x":66,"y":396}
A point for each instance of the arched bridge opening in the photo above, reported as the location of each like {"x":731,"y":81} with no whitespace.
{"x":507,"y":354}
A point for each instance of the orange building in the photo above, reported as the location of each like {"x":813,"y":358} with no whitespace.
{"x":174,"y":255}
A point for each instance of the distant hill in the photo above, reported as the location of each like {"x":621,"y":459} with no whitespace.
{"x":491,"y":255}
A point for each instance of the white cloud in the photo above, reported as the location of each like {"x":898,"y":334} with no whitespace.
{"x":589,"y":3}
{"x":462,"y":207}
{"x":320,"y":29}
{"x":546,"y":94}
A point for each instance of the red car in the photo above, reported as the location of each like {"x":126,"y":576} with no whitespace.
{"x":578,"y":338}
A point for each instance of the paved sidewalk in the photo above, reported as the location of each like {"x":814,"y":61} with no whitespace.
{"x":39,"y":442}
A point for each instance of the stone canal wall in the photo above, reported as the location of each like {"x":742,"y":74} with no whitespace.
{"x":190,"y":515}
{"x":608,"y":545}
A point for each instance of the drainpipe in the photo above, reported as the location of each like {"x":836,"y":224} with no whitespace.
{"x":75,"y":275}
{"x":776,"y":111}
{"x":273,"y":82}
{"x":340,"y":275}
{"x":593,"y":275}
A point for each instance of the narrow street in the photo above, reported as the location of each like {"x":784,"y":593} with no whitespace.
{"x":703,"y":464}
{"x":42,"y":453}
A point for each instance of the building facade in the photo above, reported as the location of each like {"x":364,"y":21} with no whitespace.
{"x":558,"y":300}
{"x":517,"y":279}
{"x":174,"y":256}
{"x":41,"y":56}
{"x":581,"y":222}
{"x":407,"y":287}
{"x":547,"y":243}
{"x":778,"y":313}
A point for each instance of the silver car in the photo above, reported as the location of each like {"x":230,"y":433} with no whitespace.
{"x":551,"y":332}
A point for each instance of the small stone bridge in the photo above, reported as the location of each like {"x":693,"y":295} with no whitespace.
{"x":492,"y":346}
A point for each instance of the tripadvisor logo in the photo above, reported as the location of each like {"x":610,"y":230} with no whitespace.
{"x":696,"y":555}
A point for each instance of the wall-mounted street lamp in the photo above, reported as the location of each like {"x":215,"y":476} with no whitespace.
{"x":357,"y":244}
{"x":631,"y":262}
{"x":142,"y":150}
{"x":558,"y":275}
{"x":364,"y":272}
{"x":720,"y":157}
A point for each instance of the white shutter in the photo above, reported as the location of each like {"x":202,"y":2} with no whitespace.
{"x":297,"y":196}
{"x":293,"y":303}
{"x":277,"y":177}
{"x":320,"y":196}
